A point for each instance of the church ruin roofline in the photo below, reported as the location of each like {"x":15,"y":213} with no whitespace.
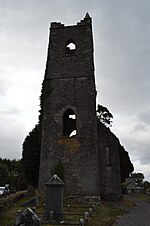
{"x":87,"y":20}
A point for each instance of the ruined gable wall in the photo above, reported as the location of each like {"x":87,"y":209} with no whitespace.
{"x":109,"y":165}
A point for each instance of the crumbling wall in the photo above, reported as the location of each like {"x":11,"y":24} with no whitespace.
{"x":109,"y":163}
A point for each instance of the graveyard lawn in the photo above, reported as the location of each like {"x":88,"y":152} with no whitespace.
{"x":106,"y":212}
{"x":9,"y":206}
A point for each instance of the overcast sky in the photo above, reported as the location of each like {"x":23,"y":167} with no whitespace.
{"x":121,"y":32}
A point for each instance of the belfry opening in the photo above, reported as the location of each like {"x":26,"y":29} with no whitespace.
{"x":71,"y":46}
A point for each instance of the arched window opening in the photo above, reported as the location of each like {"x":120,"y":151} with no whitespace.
{"x":73,"y":133}
{"x":70,"y":47}
{"x":72,"y":116}
{"x":69,"y":123}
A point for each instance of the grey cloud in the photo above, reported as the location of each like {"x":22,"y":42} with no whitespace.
{"x":10,"y":148}
{"x":141,"y":152}
{"x":142,"y":123}
{"x":145,"y":117}
{"x":122,"y":60}
{"x":3,"y":87}
{"x":12,"y":134}
{"x":11,"y":111}
{"x":141,"y":127}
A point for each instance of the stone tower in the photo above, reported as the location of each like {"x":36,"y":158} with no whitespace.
{"x":68,"y":118}
{"x":72,"y":138}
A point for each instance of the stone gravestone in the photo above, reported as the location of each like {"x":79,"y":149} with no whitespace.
{"x":27,"y":218}
{"x":54,"y":197}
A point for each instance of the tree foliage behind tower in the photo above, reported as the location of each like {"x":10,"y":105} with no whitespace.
{"x":126,"y":166}
{"x":11,"y":172}
{"x":104,"y":115}
{"x":138,"y":177}
{"x":31,"y":156}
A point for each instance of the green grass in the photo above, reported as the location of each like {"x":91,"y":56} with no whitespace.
{"x":7,"y":218}
{"x":106,"y":213}
{"x":143,"y":197}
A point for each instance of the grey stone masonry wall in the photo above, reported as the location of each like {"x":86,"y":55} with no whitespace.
{"x":108,"y":146}
{"x":69,"y":88}
{"x":90,"y":155}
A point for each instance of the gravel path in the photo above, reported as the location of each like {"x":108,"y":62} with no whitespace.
{"x":138,"y":216}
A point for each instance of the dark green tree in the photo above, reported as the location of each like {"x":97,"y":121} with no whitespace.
{"x":4,"y":174}
{"x":11,"y":172}
{"x":126,"y":166}
{"x":31,"y":156}
{"x":59,"y":170}
{"x":146,"y":185}
{"x":104,"y":115}
{"x":18,"y":173}
{"x":139,"y":177}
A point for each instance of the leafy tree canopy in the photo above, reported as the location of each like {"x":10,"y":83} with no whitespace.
{"x":126,"y":166}
{"x":139,"y":177}
{"x":4,"y":174}
{"x":11,"y":172}
{"x":146,"y":185}
{"x":59,"y":170}
{"x":104,"y":115}
{"x":31,"y":156}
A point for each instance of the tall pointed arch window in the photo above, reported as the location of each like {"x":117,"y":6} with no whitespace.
{"x":69,"y":123}
{"x":70,"y":46}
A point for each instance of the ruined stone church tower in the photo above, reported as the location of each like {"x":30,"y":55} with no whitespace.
{"x":70,"y":133}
